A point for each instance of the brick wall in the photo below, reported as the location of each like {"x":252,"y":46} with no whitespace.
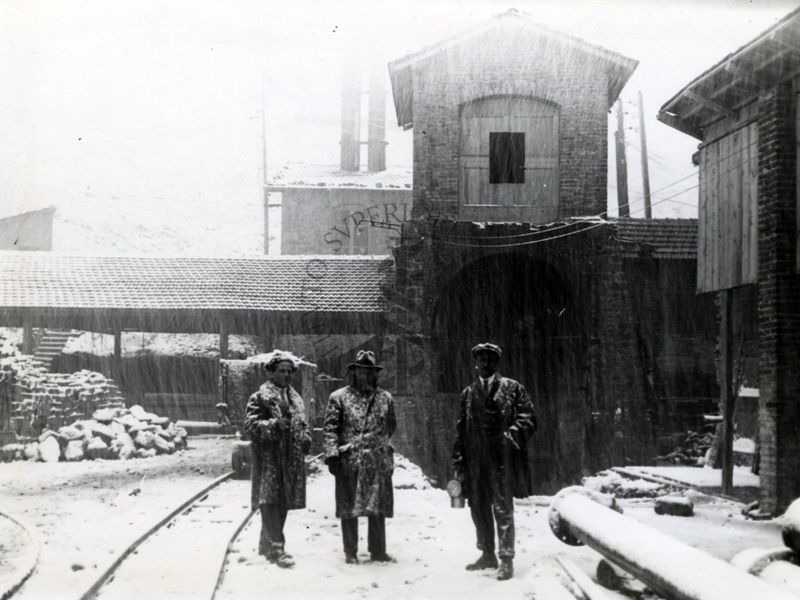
{"x":779,"y":301}
{"x":497,"y":63}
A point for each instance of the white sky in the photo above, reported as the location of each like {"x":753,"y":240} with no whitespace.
{"x":157,"y":105}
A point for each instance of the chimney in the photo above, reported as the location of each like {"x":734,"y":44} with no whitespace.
{"x":376,"y":138}
{"x":350,"y":150}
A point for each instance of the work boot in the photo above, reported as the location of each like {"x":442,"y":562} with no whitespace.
{"x":284,"y":561}
{"x":487,"y":561}
{"x":351,"y":559}
{"x":506,"y":570}
{"x":382,"y":557}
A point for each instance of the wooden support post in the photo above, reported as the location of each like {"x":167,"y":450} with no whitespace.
{"x":622,"y":166}
{"x":726,"y":388}
{"x":648,"y":213}
{"x":117,"y":344}
{"x":223,"y":339}
{"x":27,"y":338}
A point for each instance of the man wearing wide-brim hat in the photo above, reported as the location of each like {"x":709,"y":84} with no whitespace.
{"x":275,"y":419}
{"x":490,"y":456}
{"x":359,"y":423}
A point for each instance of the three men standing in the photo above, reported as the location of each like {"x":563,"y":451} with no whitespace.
{"x":490,"y":456}
{"x":275,"y":418}
{"x":359,"y":423}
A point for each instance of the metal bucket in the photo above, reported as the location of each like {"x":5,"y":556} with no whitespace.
{"x":456,"y":493}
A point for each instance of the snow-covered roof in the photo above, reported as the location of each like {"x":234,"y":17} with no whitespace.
{"x":301,"y":175}
{"x":399,"y":70}
{"x":735,"y":80}
{"x":338,"y":284}
{"x":660,"y":238}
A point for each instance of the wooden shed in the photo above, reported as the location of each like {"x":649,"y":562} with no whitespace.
{"x":744,"y":112}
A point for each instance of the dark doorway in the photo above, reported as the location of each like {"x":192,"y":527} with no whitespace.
{"x":526,"y":307}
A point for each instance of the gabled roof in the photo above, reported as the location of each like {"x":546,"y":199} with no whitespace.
{"x":400,"y":70}
{"x":658,"y":238}
{"x":736,"y":80}
{"x":325,"y":284}
{"x":301,"y":175}
{"x":12,"y":217}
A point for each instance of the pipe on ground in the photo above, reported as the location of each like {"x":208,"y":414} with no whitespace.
{"x":771,"y":565}
{"x":669,"y":567}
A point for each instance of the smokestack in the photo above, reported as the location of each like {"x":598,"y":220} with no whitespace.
{"x":376,"y":138}
{"x":350,"y":150}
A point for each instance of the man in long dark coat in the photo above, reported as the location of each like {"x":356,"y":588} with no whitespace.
{"x":490,"y":456}
{"x":275,"y":418}
{"x":359,"y":422}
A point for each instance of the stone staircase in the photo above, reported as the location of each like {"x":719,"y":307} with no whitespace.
{"x":51,"y":345}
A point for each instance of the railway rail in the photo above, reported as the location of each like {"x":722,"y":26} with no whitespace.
{"x":19,"y":554}
{"x":184,"y":554}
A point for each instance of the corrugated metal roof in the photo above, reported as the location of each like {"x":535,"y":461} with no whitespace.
{"x":659,"y":238}
{"x":274,"y":284}
{"x":301,"y":175}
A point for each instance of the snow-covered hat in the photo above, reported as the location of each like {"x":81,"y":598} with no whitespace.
{"x":269,"y":359}
{"x":365,"y":358}
{"x":486,"y":347}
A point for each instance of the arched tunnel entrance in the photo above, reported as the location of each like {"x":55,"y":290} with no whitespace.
{"x":537,"y":317}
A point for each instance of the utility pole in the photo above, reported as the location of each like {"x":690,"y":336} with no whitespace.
{"x":648,"y":213}
{"x":623,"y":210}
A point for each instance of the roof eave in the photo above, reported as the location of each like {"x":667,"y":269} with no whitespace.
{"x":738,"y":77}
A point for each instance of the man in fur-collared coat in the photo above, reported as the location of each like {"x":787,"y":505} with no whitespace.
{"x":490,"y":456}
{"x":359,"y":422}
{"x":275,"y":419}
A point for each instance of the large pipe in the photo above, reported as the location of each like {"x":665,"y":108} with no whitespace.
{"x":770,"y":565}
{"x":669,"y":567}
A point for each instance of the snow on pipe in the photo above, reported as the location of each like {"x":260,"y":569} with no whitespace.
{"x":770,"y":565}
{"x":669,"y":567}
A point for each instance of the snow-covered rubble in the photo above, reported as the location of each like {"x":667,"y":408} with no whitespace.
{"x":610,"y":482}
{"x":111,"y":433}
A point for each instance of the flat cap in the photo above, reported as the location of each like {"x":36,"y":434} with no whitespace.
{"x":486,"y":347}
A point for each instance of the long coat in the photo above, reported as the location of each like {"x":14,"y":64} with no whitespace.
{"x":488,"y":446}
{"x":278,"y":471}
{"x":357,"y":432}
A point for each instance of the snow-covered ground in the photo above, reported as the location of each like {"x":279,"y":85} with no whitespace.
{"x":85,"y":513}
{"x":701,"y":477}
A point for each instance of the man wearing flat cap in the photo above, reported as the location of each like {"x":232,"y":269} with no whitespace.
{"x":359,"y":423}
{"x":490,"y":456}
{"x":275,"y":419}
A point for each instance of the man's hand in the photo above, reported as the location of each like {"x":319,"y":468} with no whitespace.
{"x":458,"y":474}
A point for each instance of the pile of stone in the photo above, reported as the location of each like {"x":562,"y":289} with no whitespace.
{"x":111,"y":433}
{"x":41,"y":400}
{"x":691,"y":450}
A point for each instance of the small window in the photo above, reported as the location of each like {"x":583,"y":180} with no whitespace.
{"x":506,"y":157}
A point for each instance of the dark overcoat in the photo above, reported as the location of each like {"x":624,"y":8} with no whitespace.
{"x":358,"y":428}
{"x":278,"y":471}
{"x":495,"y":446}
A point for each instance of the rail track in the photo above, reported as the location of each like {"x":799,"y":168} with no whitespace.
{"x":183,"y":555}
{"x":19,"y":554}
